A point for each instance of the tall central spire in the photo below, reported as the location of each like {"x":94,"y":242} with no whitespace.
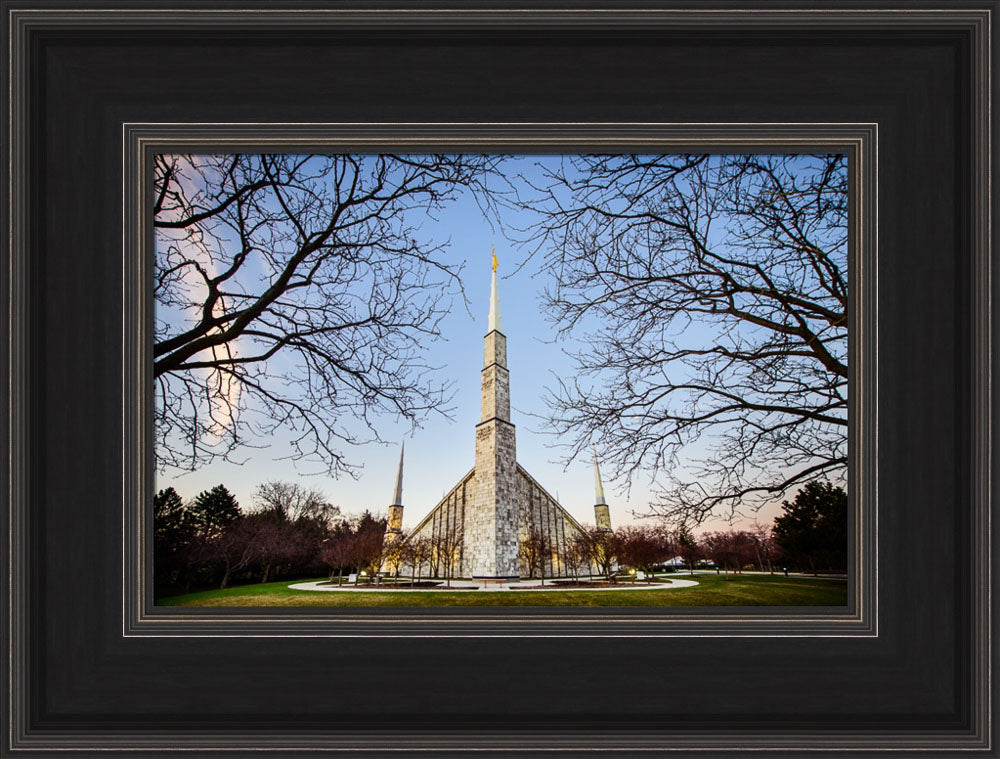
{"x":496,"y":378}
{"x":495,"y":323}
{"x":491,"y":522}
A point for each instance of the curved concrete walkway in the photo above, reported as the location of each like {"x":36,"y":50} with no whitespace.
{"x":467,"y":586}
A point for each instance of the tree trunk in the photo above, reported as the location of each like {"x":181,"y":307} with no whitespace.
{"x":225,"y":578}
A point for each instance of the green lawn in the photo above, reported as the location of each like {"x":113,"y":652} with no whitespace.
{"x":713,"y":590}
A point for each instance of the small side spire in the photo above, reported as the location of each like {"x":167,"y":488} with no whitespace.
{"x":495,"y":322}
{"x":598,"y":486}
{"x":394,"y":522}
{"x":397,"y":499}
{"x":602,"y":514}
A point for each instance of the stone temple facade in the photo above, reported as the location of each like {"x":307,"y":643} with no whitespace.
{"x":485,"y":518}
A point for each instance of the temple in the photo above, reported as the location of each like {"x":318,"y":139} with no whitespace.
{"x":480,"y":528}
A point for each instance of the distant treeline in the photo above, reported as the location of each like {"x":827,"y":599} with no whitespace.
{"x":810,"y":535}
{"x":292,"y":532}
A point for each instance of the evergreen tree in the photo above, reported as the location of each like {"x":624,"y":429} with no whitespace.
{"x":170,"y":519}
{"x":173,"y":529}
{"x":812,"y":529}
{"x":214,"y":510}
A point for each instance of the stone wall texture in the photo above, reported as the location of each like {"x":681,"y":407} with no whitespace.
{"x":395,"y":519}
{"x":602,"y":516}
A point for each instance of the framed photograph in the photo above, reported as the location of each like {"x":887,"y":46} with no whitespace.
{"x":302,"y":304}
{"x":724,"y":276}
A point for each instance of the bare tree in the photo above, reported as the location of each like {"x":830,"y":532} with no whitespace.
{"x":295,"y":293}
{"x":405,"y":558}
{"x":273,"y":541}
{"x":643,"y":546}
{"x":574,"y":552}
{"x":394,"y":554}
{"x":420,"y":552}
{"x":295,"y":501}
{"x":293,"y":522}
{"x":447,"y":547}
{"x":765,"y":546}
{"x":732,"y":549}
{"x":604,"y":550}
{"x":688,"y":547}
{"x":337,"y":552}
{"x":535,"y":547}
{"x":366,"y":543}
{"x":234,"y":549}
{"x":710,"y":295}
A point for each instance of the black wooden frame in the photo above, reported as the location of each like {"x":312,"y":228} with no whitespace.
{"x":141,"y":142}
{"x":906,"y":88}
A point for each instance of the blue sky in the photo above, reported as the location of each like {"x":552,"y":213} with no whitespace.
{"x":440,"y":452}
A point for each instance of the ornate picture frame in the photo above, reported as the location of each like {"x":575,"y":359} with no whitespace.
{"x":906,"y":90}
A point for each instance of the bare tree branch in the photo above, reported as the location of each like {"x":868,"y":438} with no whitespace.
{"x":710,"y":295}
{"x":296,"y":294}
